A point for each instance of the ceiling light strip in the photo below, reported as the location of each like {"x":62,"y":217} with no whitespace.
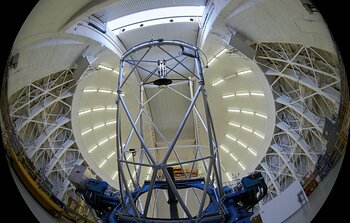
{"x":242,"y":94}
{"x":112,"y":154}
{"x":237,"y":110}
{"x":234,"y":110}
{"x":98,"y":126}
{"x":111,"y":122}
{"x":248,"y":129}
{"x":257,"y":94}
{"x":115,"y":174}
{"x":231,"y":137}
{"x":228,"y":176}
{"x":84,"y":112}
{"x":87,"y":131}
{"x":222,"y":166}
{"x":259,"y":135}
{"x":104,"y":67}
{"x":234,"y":124}
{"x":243,"y":167}
{"x":240,"y":143}
{"x":244,"y":72}
{"x":103,"y":163}
{"x":217,"y":82}
{"x":92,"y":149}
{"x":230,"y":95}
{"x":247,"y":112}
{"x":105,"y":91}
{"x":233,"y":157}
{"x":216,"y":56}
{"x":260,"y":115}
{"x":102,"y":142}
{"x":221,"y":52}
{"x":224,"y":148}
{"x":97,"y":109}
{"x":252,"y":151}
{"x":89,"y":90}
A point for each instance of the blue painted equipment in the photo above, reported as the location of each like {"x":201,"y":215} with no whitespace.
{"x":235,"y":206}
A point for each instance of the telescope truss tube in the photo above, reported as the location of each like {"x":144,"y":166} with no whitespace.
{"x":132,"y":185}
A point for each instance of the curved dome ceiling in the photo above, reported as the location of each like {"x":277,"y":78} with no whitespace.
{"x":264,"y":106}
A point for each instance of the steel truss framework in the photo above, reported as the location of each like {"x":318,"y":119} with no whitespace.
{"x":41,"y":113}
{"x":147,"y":160}
{"x":305,"y":82}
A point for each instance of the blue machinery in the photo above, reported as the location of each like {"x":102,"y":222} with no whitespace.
{"x":157,"y":66}
{"x":233,"y":207}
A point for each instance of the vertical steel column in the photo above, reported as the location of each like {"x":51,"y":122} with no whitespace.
{"x":118,"y":137}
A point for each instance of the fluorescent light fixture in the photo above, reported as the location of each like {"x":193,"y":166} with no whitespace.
{"x":104,"y":67}
{"x":84,"y":112}
{"x":103,"y":163}
{"x":217,"y":82}
{"x":221,"y":52}
{"x":252,"y":152}
{"x":234,"y":124}
{"x":260,"y":135}
{"x":104,"y":91}
{"x":113,"y":136}
{"x":98,"y":126}
{"x":234,"y":110}
{"x":244,"y":72}
{"x":242,"y":94}
{"x":242,"y":144}
{"x":115,"y":71}
{"x":228,"y":176}
{"x":260,"y":115}
{"x":99,"y":109}
{"x":103,"y":141}
{"x":230,"y":137}
{"x":248,"y":112}
{"x":241,"y":165}
{"x":222,"y":166}
{"x":92,"y":149}
{"x":228,"y":95}
{"x":149,"y":170}
{"x":115,"y":175}
{"x":111,"y":122}
{"x":223,"y":148}
{"x":90,"y":90}
{"x":85,"y":132}
{"x":230,"y":76}
{"x":233,"y":157}
{"x":247,"y":129}
{"x":110,"y":155}
{"x":111,"y":108}
{"x":257,"y":94}
{"x":127,"y":158}
{"x":211,"y":61}
{"x":147,"y":177}
{"x":116,"y":93}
